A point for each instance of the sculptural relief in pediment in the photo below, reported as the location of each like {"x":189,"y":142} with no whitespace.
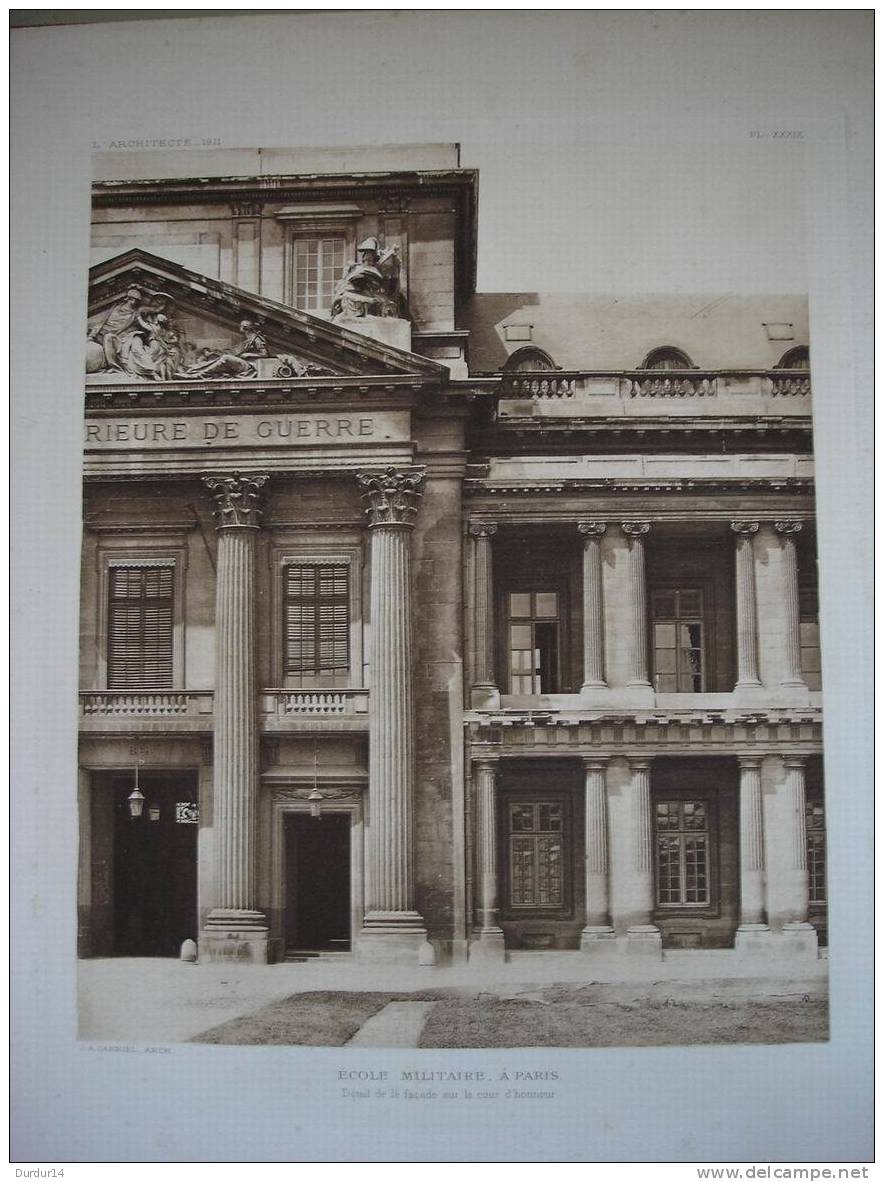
{"x":144,"y":335}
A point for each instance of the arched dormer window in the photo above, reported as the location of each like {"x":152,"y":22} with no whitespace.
{"x":666,"y":357}
{"x":797,"y":358}
{"x":528,"y":361}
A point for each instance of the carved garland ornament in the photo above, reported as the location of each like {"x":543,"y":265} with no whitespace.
{"x":237,"y":499}
{"x":391,"y":497}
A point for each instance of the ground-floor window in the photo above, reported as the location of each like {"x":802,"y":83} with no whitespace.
{"x":537,"y":854}
{"x":816,"y":851}
{"x":683,"y":838}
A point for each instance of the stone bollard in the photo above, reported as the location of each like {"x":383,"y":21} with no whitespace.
{"x":188,"y":952}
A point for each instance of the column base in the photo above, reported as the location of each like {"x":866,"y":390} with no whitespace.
{"x":232,"y":935}
{"x":484,"y":697}
{"x":753,"y":938}
{"x":644,"y":940}
{"x":799,"y":938}
{"x":598,"y":938}
{"x":487,"y":944}
{"x":393,"y":938}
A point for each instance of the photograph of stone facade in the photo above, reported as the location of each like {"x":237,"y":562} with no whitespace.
{"x":430,"y":629}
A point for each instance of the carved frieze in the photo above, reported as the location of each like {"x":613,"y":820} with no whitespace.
{"x":391,"y":497}
{"x":237,"y":499}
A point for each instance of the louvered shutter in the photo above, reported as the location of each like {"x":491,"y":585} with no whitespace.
{"x":317,"y":619}
{"x":140,"y":627}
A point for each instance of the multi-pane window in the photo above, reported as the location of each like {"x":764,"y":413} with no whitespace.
{"x":318,"y":265}
{"x":535,"y":837}
{"x":533,"y":641}
{"x":682,"y":835}
{"x":140,"y":627}
{"x":678,"y":641}
{"x":316,"y":622}
{"x":809,"y":633}
{"x":815,"y":820}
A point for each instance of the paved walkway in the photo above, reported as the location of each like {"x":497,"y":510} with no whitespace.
{"x":398,"y":1024}
{"x":165,"y":1000}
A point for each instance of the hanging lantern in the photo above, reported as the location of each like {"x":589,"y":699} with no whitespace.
{"x":136,"y":798}
{"x":315,"y":799}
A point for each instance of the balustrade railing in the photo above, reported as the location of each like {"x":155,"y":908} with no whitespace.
{"x":145,"y":704}
{"x":287,"y":703}
{"x":628,"y":385}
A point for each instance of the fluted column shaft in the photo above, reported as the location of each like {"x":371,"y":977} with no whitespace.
{"x":391,"y":501}
{"x":486,"y":808}
{"x":747,"y":611}
{"x":638,"y":599}
{"x":751,"y":842}
{"x":643,"y":839}
{"x":237,"y":512}
{"x":483,"y":605}
{"x":793,"y":766}
{"x":596,"y":802}
{"x":788,"y":531}
{"x":593,"y":620}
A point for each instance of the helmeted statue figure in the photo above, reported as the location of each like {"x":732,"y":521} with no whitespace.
{"x":371,"y":286}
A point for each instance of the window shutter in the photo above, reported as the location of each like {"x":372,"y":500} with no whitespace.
{"x":140,"y":627}
{"x":317,"y":619}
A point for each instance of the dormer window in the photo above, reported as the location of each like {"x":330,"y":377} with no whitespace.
{"x":528,"y":361}
{"x":797,"y":358}
{"x":667,"y":357}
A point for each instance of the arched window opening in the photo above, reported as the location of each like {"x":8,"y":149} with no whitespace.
{"x":528,"y":361}
{"x":667,"y":357}
{"x":797,"y":358}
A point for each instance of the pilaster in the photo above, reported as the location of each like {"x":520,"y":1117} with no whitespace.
{"x":488,"y":940}
{"x":593,"y":609}
{"x":791,"y":671}
{"x":747,"y":609}
{"x":753,"y":933}
{"x":598,"y":929}
{"x":485,"y":693}
{"x":642,"y":936}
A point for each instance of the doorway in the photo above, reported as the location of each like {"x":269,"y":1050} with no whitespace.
{"x":155,"y":866}
{"x":317,"y":882}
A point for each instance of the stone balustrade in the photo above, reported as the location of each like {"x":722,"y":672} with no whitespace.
{"x":286,"y":703}
{"x":148,"y":704}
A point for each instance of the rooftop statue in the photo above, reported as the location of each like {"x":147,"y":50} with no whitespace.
{"x":371,"y":286}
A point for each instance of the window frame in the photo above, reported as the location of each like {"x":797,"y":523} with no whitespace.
{"x":816,"y":800}
{"x":708,"y":621}
{"x":660,"y":352}
{"x":709,"y":799}
{"x":134,"y":551}
{"x":326,"y":552}
{"x":532,"y":585}
{"x":510,"y":912}
{"x":316,"y":224}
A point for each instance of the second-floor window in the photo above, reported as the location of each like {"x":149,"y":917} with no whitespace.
{"x":316,"y":624}
{"x":140,"y":627}
{"x":318,"y":264}
{"x":809,"y":634}
{"x":533,"y":637}
{"x":678,"y":640}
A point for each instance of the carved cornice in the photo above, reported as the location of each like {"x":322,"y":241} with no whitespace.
{"x":237,"y":499}
{"x":391,"y":497}
{"x":788,"y":527}
{"x":246,"y":209}
{"x":745,"y":528}
{"x":328,"y":794}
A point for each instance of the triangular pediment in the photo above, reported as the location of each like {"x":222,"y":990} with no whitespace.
{"x":153,"y":320}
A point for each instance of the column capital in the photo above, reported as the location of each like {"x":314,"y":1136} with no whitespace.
{"x":486,"y":763}
{"x":750,"y":762}
{"x":391,"y":497}
{"x":237,"y":499}
{"x":788,"y":527}
{"x":745,"y":528}
{"x":635,"y":529}
{"x":591,"y":529}
{"x":595,"y":763}
{"x":640,"y":763}
{"x":483,"y":529}
{"x":796,"y":762}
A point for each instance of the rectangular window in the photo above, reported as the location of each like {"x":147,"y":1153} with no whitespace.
{"x":533,"y":641}
{"x":318,"y":264}
{"x":809,"y":632}
{"x":140,"y":627}
{"x":316,"y":622}
{"x":679,"y":662}
{"x":682,"y":836}
{"x":536,"y":853}
{"x":815,"y":818}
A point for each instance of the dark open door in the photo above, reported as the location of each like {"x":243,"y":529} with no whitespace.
{"x":317,"y":856}
{"x":155,"y":906}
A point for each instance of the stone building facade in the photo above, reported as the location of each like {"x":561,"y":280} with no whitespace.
{"x":426,"y":625}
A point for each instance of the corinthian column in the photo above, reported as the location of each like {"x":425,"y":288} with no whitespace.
{"x":391,"y":926}
{"x":235,"y":928}
{"x":788,"y":531}
{"x":598,"y":920}
{"x":747,"y":612}
{"x":593,"y":622}
{"x":638,"y":600}
{"x":488,"y":935}
{"x":484,"y":683}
